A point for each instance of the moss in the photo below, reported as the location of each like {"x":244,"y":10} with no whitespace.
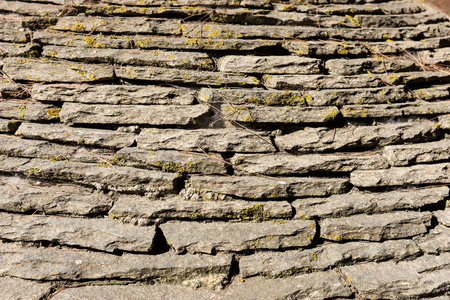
{"x":353,"y":20}
{"x":207,"y":64}
{"x":22,"y":107}
{"x":254,"y":212}
{"x":53,"y":111}
{"x":331,"y":115}
{"x":92,"y":42}
{"x":32,"y":171}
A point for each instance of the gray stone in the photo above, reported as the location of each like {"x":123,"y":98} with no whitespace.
{"x":369,"y":66}
{"x":435,"y":241}
{"x":419,"y":174}
{"x":269,"y":64}
{"x":8,"y":126}
{"x":432,"y":93}
{"x":276,"y":264}
{"x":285,"y":164}
{"x":244,"y":3}
{"x":359,"y":203}
{"x":325,"y":48}
{"x":247,"y":16}
{"x":74,"y":265}
{"x":29,"y":111}
{"x":9,"y":49}
{"x":443,"y":216}
{"x":11,"y":164}
{"x":398,"y":47}
{"x":55,"y":71}
{"x":375,"y":227}
{"x":403,"y":155}
{"x":14,"y":35}
{"x":324,"y":139}
{"x":12,"y":90}
{"x":208,"y":140}
{"x":437,"y":57}
{"x":80,"y":136}
{"x":131,"y":208}
{"x":171,"y":161}
{"x":112,"y":94}
{"x":255,"y":187}
{"x":32,"y":9}
{"x":17,"y":289}
{"x":133,"y":114}
{"x":208,"y":78}
{"x":195,"y":237}
{"x":19,"y":195}
{"x":99,"y":234}
{"x":287,"y":115}
{"x":444,"y":122}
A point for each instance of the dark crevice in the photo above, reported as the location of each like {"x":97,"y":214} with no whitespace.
{"x":234,"y":271}
{"x":160,"y":244}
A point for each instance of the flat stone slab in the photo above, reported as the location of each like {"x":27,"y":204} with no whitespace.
{"x":358,"y":203}
{"x":112,"y":94}
{"x":208,"y":140}
{"x":8,"y":126}
{"x":195,"y":237}
{"x":286,"y":164}
{"x":131,"y":208}
{"x":444,"y":122}
{"x":29,"y":111}
{"x":290,"y":263}
{"x":55,"y":71}
{"x":14,"y":35}
{"x":99,"y":234}
{"x":15,"y":288}
{"x":9,"y":49}
{"x":76,"y":135}
{"x":11,"y":164}
{"x":256,"y":187}
{"x":375,"y":227}
{"x":75,"y":265}
{"x":418,"y":174}
{"x":133,"y":114}
{"x":369,"y":66}
{"x":19,"y":195}
{"x":325,"y":139}
{"x":443,"y":216}
{"x":432,"y":93}
{"x":436,"y":241}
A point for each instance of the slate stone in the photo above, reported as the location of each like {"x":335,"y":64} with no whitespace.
{"x":80,"y":136}
{"x":443,"y":216}
{"x":286,"y":164}
{"x":437,"y":57}
{"x":444,"y":122}
{"x":133,"y":114}
{"x":418,"y":174}
{"x":8,"y":126}
{"x":375,"y":227}
{"x":19,"y":195}
{"x":112,"y":94}
{"x":325,"y":48}
{"x":14,"y":35}
{"x":9,"y":49}
{"x":99,"y":234}
{"x":11,"y":164}
{"x":208,"y":140}
{"x":432,"y":93}
{"x":29,"y":111}
{"x":398,"y":47}
{"x":32,"y":9}
{"x":15,"y":288}
{"x":324,"y":139}
{"x":369,"y":66}
{"x":195,"y":237}
{"x":290,"y":263}
{"x":359,"y":203}
{"x":435,"y":241}
{"x":254,"y":187}
{"x":55,"y":71}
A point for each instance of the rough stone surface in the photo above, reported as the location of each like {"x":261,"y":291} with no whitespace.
{"x":436,"y":241}
{"x":368,"y":66}
{"x":29,"y":111}
{"x":443,"y":216}
{"x":8,"y":126}
{"x":15,"y":288}
{"x":395,"y":110}
{"x":444,"y":122}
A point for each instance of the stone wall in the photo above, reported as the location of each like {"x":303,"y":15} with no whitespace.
{"x":230,"y":149}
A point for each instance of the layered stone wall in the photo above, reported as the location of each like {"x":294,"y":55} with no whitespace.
{"x":230,"y":149}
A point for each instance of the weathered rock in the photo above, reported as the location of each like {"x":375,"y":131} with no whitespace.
{"x":14,"y":35}
{"x":32,"y":9}
{"x":419,"y":174}
{"x":60,"y":264}
{"x":8,"y":126}
{"x":437,"y":57}
{"x":12,"y":90}
{"x":375,"y":227}
{"x":369,"y":66}
{"x":171,"y":161}
{"x":435,"y":241}
{"x":133,"y":114}
{"x":162,"y":11}
{"x":286,"y":115}
{"x":208,"y":78}
{"x":80,"y":136}
{"x":443,"y":216}
{"x":9,"y":49}
{"x":324,"y":48}
{"x":14,"y":288}
{"x":269,"y":64}
{"x":444,"y":122}
{"x":11,"y":164}
{"x":55,"y":71}
{"x":29,"y":111}
{"x":359,"y":203}
{"x":285,"y":164}
{"x":276,"y":264}
{"x":403,"y":155}
{"x":59,"y":38}
{"x":130,"y":208}
{"x":112,"y":94}
{"x":324,"y":139}
{"x":402,"y":280}
{"x":208,"y":140}
{"x":22,"y":196}
{"x":255,"y":187}
{"x":195,"y":237}
{"x":399,"y":47}
{"x":100,"y":234}
{"x":247,"y":16}
{"x":432,"y":93}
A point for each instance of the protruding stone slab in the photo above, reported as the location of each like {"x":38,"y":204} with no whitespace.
{"x":100,"y":234}
{"x":10,"y":49}
{"x":131,"y":208}
{"x":19,"y":195}
{"x":436,"y":241}
{"x":419,"y":174}
{"x":324,"y":139}
{"x":80,"y":136}
{"x":255,"y":187}
{"x":276,"y":264}
{"x":360,"y":203}
{"x":269,"y":64}
{"x":33,"y":111}
{"x":8,"y":126}
{"x":217,"y":140}
{"x":432,"y":93}
{"x":195,"y":237}
{"x":14,"y":35}
{"x":11,"y":164}
{"x":403,"y":155}
{"x":55,"y":71}
{"x":133,"y":114}
{"x":369,"y":66}
{"x":444,"y":122}
{"x":15,"y":288}
{"x":375,"y":227}
{"x":112,"y":94}
{"x":395,"y":110}
{"x":443,"y":216}
{"x":286,"y":164}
